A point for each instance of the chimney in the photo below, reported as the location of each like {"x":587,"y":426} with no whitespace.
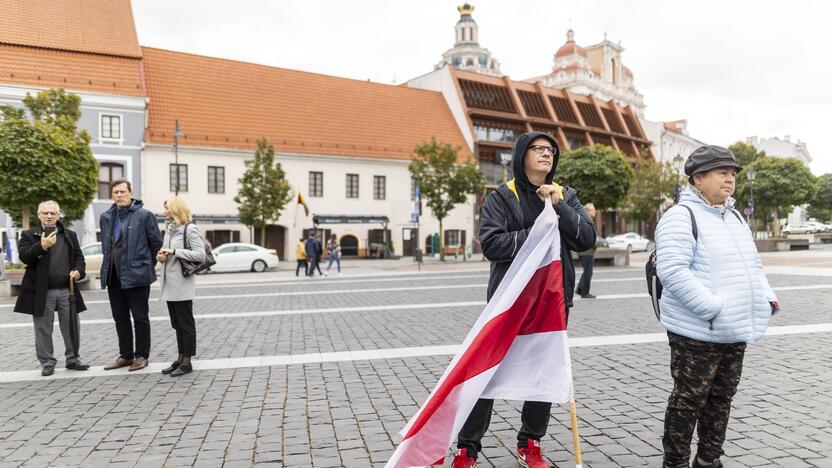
{"x":788,"y":138}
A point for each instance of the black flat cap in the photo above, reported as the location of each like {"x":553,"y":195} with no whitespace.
{"x":710,"y":157}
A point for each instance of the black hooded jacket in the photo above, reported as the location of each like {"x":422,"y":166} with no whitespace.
{"x":508,"y":214}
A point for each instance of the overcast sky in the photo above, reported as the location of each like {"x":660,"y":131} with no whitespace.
{"x":731,"y":68}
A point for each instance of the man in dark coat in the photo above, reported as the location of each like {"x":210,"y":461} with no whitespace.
{"x":506,"y":218}
{"x":130,"y":239}
{"x":313,"y":254}
{"x":52,"y":255}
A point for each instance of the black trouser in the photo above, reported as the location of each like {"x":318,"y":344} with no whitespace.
{"x":705,"y":379}
{"x":535,"y":419}
{"x":587,"y":261}
{"x":301,"y":264}
{"x":182,"y":320}
{"x":123,"y":302}
{"x":313,"y":263}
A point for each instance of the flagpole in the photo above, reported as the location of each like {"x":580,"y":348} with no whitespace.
{"x":576,"y":438}
{"x":295,"y":222}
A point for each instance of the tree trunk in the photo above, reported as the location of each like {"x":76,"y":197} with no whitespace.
{"x":441,"y":243}
{"x":263,"y":236}
{"x":25,"y":218}
{"x":776,"y":227}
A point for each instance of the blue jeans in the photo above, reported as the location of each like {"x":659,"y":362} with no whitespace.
{"x":336,"y":259}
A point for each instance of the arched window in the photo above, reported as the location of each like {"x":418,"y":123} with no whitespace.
{"x":108,"y":172}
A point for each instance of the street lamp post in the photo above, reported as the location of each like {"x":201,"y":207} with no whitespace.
{"x":678,"y":161}
{"x":505,"y":160}
{"x":751,"y":174}
{"x":176,"y":134}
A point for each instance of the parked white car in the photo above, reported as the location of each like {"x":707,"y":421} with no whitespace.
{"x":808,"y":227}
{"x":630,"y":241}
{"x":237,"y":256}
{"x":93,"y":257}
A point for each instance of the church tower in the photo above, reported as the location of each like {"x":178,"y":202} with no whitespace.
{"x":466,"y":53}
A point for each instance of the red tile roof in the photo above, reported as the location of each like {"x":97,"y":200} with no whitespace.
{"x":93,"y":26}
{"x":230,"y":104}
{"x":76,"y":71}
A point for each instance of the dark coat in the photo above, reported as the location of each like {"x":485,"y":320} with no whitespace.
{"x":32,"y":298}
{"x":143,"y":241}
{"x":313,"y":248}
{"x":502,"y":234}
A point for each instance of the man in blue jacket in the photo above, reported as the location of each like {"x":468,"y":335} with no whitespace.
{"x":716,"y":298}
{"x":506,"y":217}
{"x":130,"y":239}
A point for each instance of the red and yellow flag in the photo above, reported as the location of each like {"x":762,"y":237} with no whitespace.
{"x":301,"y":201}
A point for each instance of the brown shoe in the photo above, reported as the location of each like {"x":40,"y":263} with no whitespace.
{"x":139,"y":363}
{"x":120,"y":362}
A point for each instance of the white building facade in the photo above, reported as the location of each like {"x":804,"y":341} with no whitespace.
{"x":785,"y":148}
{"x":331,"y":186}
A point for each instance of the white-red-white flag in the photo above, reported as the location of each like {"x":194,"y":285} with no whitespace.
{"x":517,"y":350}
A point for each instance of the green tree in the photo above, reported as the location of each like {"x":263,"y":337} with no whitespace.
{"x":600,"y":174}
{"x":443,"y":182}
{"x":780,"y":184}
{"x":45,"y":158}
{"x":821,"y":205}
{"x":745,"y":153}
{"x":264,"y":190}
{"x":653,"y":184}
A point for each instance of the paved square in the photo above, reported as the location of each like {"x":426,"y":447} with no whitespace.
{"x":325,"y":372}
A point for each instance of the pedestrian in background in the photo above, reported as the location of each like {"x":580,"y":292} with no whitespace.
{"x":52,"y":257}
{"x":333,"y":248}
{"x":300,"y":255}
{"x":176,"y":289}
{"x":716,"y":298}
{"x":319,"y":252}
{"x":312,"y":254}
{"x":587,"y":258}
{"x":130,"y":240}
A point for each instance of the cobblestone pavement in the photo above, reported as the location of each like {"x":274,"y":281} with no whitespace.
{"x":347,"y":412}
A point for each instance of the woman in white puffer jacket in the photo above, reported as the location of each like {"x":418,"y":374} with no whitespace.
{"x":715,"y":300}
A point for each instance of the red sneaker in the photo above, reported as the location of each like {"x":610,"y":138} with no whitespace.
{"x":462,"y":460}
{"x":530,"y":457}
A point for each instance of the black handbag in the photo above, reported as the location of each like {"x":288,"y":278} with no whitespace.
{"x":190,"y":267}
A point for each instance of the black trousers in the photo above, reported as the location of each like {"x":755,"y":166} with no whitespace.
{"x":182,"y":320}
{"x":705,"y":379}
{"x":535,"y":419}
{"x":587,"y":262}
{"x":123,"y":303}
{"x":301,"y":264}
{"x":313,"y":264}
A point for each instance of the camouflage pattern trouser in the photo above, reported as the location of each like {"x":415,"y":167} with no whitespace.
{"x":705,"y":379}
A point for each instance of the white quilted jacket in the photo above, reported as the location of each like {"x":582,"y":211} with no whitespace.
{"x":715,"y":289}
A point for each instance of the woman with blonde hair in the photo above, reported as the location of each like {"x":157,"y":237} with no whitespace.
{"x":179,"y":290}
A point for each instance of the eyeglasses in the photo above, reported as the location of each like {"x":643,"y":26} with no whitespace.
{"x":542,"y":149}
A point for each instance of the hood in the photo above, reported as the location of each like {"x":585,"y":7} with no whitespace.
{"x":520,"y":148}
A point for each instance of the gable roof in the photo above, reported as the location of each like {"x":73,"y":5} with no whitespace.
{"x":91,"y":26}
{"x":229,"y":104}
{"x":74,"y":71}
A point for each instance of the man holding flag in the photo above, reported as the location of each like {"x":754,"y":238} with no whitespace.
{"x":517,"y":349}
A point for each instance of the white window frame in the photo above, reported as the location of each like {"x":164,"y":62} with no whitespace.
{"x":101,"y":138}
{"x":126,"y":161}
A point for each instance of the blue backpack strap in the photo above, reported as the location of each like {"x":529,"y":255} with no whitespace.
{"x":692,"y":223}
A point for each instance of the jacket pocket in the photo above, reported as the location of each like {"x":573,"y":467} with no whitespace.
{"x":138,"y":263}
